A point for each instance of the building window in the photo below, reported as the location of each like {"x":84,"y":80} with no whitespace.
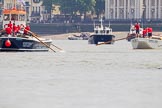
{"x":121,"y":14}
{"x":9,"y":5}
{"x":132,"y":3}
{"x":132,"y":13}
{"x":111,"y":13}
{"x":152,"y":2}
{"x":152,"y":13}
{"x":121,"y":3}
{"x":111,"y":2}
{"x":36,"y":1}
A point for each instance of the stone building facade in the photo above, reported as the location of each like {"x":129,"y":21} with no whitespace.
{"x":133,"y":9}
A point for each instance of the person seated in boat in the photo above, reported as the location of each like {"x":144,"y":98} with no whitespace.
{"x":144,"y":33}
{"x":149,"y":30}
{"x":15,"y":29}
{"x":26,"y":29}
{"x":18,"y":28}
{"x":137,"y":27}
{"x":18,"y":31}
{"x":10,"y":24}
{"x":8,"y":31}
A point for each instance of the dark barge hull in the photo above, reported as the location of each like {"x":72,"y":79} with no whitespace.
{"x":94,"y":39}
{"x":23,"y":44}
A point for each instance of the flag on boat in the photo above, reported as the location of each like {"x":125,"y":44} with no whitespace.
{"x":21,"y":1}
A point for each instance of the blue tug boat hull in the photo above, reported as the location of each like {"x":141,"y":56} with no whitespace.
{"x":95,"y":39}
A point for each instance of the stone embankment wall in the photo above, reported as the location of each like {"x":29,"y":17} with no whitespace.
{"x":70,"y":28}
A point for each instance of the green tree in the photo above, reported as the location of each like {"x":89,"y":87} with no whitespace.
{"x":72,"y":7}
{"x":100,"y":7}
{"x":48,"y":5}
{"x":87,"y":6}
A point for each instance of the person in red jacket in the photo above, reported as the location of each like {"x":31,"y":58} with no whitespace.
{"x":27,"y":28}
{"x":10,"y":24}
{"x":137,"y":27}
{"x":14,"y":29}
{"x":8,"y":30}
{"x":144,"y":33}
{"x":18,"y":28}
{"x":149,"y":29}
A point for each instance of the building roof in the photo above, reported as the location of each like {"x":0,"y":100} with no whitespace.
{"x":13,"y":11}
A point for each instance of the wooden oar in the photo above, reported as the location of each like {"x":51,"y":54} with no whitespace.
{"x":40,"y":40}
{"x":51,"y":43}
{"x":56,"y":46}
{"x":111,"y":41}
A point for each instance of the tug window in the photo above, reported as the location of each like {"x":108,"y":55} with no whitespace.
{"x":22,"y":17}
{"x":6,"y":17}
{"x":14,"y":17}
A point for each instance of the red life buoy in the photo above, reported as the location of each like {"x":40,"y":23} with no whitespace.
{"x":8,"y":43}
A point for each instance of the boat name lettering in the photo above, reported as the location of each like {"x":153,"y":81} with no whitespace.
{"x":39,"y":46}
{"x":27,"y":44}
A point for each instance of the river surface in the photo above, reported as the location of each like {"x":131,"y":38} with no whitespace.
{"x":82,"y":76}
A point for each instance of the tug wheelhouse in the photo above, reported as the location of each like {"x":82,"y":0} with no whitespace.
{"x":15,"y":16}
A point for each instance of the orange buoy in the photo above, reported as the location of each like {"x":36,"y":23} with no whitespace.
{"x":8,"y":43}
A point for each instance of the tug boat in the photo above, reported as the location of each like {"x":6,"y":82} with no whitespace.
{"x":101,"y":34}
{"x":20,"y":41}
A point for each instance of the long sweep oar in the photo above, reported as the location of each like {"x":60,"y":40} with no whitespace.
{"x":40,"y":40}
{"x":51,"y":43}
{"x":56,"y":47}
{"x":111,"y":41}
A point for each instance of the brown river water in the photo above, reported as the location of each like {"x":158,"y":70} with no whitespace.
{"x":82,"y":76}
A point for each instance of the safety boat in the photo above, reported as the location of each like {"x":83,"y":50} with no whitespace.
{"x":101,"y":34}
{"x":18,"y":41}
{"x":146,"y":43}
